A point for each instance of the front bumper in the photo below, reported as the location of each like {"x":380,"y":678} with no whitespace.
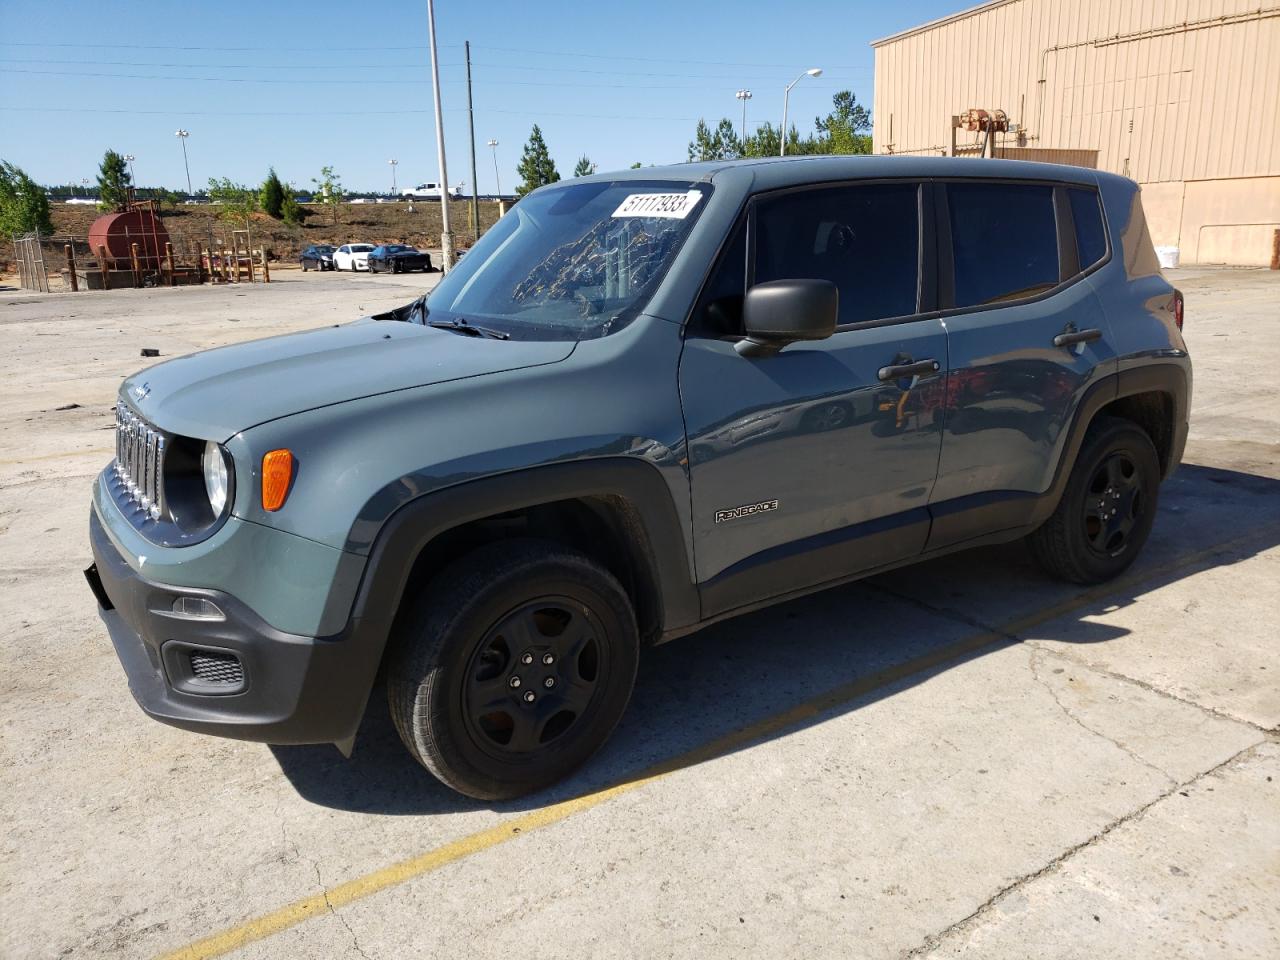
{"x":283,"y":688}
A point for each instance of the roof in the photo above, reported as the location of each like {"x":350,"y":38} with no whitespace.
{"x":949,"y":18}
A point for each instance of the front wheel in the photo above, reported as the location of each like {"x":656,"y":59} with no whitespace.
{"x":513,"y":668}
{"x":1107,"y":509}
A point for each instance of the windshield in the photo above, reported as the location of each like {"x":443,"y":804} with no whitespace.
{"x":325,"y":249}
{"x":361,"y":247}
{"x":573,"y":262}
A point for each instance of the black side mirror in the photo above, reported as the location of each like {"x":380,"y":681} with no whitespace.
{"x":780,"y":312}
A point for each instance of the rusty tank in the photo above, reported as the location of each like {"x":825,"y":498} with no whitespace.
{"x":117,"y":232}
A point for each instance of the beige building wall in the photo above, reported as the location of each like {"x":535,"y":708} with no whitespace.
{"x":1181,"y":95}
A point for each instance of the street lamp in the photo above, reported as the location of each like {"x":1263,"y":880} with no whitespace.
{"x":493,"y":145}
{"x":84,"y":182}
{"x":744,"y":96}
{"x":393,"y":176}
{"x":182,"y":135}
{"x":129,"y":158}
{"x":786,"y":95}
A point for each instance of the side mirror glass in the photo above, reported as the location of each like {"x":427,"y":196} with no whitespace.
{"x":780,"y":312}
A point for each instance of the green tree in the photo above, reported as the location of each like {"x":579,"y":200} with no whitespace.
{"x":237,"y":201}
{"x":291,"y":210}
{"x":585,"y":167}
{"x":636,"y":165}
{"x":536,"y":168}
{"x":24,"y":208}
{"x":718,"y":144}
{"x":271,"y":195}
{"x":164,"y":197}
{"x":847,"y":128}
{"x":329,"y":189}
{"x":113,"y":181}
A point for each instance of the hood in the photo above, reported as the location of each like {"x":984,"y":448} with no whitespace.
{"x":216,"y":394}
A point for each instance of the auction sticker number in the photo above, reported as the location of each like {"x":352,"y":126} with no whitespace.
{"x":671,"y":206}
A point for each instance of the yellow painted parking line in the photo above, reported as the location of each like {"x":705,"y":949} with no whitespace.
{"x":333,"y":898}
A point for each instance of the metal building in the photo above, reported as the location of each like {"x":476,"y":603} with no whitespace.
{"x":1181,"y":95}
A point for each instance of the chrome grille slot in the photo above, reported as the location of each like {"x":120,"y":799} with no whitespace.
{"x":140,"y":462}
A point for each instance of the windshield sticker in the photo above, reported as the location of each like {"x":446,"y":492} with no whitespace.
{"x":670,"y":206}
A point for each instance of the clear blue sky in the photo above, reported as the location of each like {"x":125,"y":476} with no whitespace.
{"x":304,"y":84}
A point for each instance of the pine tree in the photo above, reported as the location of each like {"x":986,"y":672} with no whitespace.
{"x":113,"y":181}
{"x":271,"y":195}
{"x":24,"y":208}
{"x":585,"y":167}
{"x":536,"y":166}
{"x":290,"y":210}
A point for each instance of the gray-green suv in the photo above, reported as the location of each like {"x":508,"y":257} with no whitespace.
{"x":644,"y":402}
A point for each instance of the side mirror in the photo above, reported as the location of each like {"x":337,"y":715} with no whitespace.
{"x":780,"y":312}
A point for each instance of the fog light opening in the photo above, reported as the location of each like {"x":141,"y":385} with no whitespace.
{"x":197,"y":608}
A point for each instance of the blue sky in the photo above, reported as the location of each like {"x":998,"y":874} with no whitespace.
{"x":299,"y":85}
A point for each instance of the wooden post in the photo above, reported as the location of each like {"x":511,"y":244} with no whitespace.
{"x":137,"y":267}
{"x":235,"y":256}
{"x":71,"y":267}
{"x":102,"y":265}
{"x":168,"y":256}
{"x":1275,"y":250}
{"x":249,"y":262}
{"x":266,"y":271}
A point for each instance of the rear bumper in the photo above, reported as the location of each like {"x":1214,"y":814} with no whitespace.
{"x":272,"y":686}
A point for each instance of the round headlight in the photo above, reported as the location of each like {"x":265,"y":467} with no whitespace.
{"x":215,"y":477}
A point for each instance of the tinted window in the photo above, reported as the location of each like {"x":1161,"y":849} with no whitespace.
{"x":1004,"y":241}
{"x":720,"y":309}
{"x":1091,"y":240}
{"x":864,"y":239}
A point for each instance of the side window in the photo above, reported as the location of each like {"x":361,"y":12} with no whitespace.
{"x":1004,"y":241}
{"x":1091,"y":239}
{"x":864,"y":239}
{"x":719,"y":311}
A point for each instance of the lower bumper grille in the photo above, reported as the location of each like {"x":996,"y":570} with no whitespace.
{"x":223,"y":669}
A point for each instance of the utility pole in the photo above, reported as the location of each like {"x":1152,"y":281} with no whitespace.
{"x":471,"y":124}
{"x":744,"y":96}
{"x":446,"y":235}
{"x":393,"y":176}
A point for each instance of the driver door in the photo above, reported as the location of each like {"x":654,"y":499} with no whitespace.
{"x":816,"y":463}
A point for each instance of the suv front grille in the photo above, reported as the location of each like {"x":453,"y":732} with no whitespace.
{"x":140,"y":461}
{"x":221,"y":668}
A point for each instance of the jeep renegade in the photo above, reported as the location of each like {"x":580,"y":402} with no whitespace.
{"x":644,"y":402}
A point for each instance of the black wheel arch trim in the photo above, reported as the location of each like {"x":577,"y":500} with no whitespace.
{"x":418,"y":522}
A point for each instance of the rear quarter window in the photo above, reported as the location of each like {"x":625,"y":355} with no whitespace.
{"x":1004,"y":241}
{"x":1091,"y":237}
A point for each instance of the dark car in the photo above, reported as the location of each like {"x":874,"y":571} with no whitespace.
{"x":644,"y":402}
{"x":398,"y":258}
{"x":318,"y":256}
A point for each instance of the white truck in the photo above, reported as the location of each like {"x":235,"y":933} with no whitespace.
{"x":430,"y":191}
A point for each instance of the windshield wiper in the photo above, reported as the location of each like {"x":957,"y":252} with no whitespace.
{"x":468,"y":329}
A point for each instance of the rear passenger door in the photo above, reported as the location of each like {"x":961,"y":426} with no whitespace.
{"x":1026,"y":339}
{"x":817,"y":462}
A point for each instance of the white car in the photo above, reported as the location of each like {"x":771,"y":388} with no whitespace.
{"x":430,"y":191}
{"x":352,"y":256}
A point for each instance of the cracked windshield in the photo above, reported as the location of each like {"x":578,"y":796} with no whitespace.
{"x":573,"y":263}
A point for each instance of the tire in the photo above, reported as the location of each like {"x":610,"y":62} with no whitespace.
{"x":458,"y":677}
{"x":304,"y":266}
{"x":1106,"y":511}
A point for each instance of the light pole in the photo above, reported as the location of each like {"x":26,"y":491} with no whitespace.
{"x":182,"y":135}
{"x":84,"y":182}
{"x":446,"y":235}
{"x":129,"y":158}
{"x":744,"y":96}
{"x":786,"y":95}
{"x":493,"y":145}
{"x":393,"y":176}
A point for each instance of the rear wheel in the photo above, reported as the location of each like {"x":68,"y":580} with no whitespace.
{"x":513,"y":668}
{"x":1107,"y":509}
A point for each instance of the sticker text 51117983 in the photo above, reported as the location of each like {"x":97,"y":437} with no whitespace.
{"x":671,"y":206}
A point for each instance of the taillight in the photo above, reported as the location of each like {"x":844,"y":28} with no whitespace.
{"x":1177,"y":308}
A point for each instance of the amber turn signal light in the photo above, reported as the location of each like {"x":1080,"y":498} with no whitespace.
{"x":277,"y":474}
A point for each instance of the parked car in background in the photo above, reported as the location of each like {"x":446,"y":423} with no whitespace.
{"x":318,"y":256}
{"x":398,"y":258}
{"x":352,"y":256}
{"x":430,"y":191}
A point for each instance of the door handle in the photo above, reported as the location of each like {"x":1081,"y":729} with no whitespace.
{"x":898,"y":371}
{"x":1072,"y":337}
